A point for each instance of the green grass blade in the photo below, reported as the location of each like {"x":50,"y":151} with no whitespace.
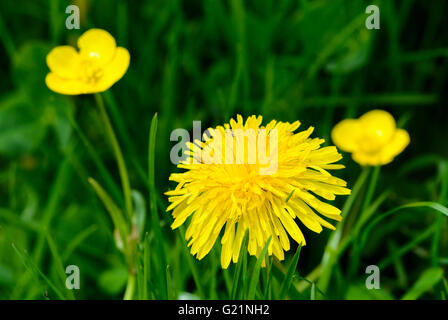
{"x":77,"y":240}
{"x":155,"y":221}
{"x":191,"y":263}
{"x":330,"y":255}
{"x":256,"y":272}
{"x":237,"y":274}
{"x":29,"y":264}
{"x":432,"y":205}
{"x":313,"y":292}
{"x":146,"y":267}
{"x":288,"y":278}
{"x":267,"y":295}
{"x":407,"y":247}
{"x":427,"y":280}
{"x":59,"y":265}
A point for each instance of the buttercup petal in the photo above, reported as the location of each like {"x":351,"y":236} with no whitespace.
{"x":97,"y":45}
{"x":367,"y":159}
{"x":346,"y":134}
{"x":115,"y":70}
{"x":64,"y":61}
{"x":395,"y":146}
{"x":378,"y":126}
{"x":63,"y":85}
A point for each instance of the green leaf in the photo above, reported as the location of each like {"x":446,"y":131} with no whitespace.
{"x":115,"y":213}
{"x":256,"y":272}
{"x":427,"y":280}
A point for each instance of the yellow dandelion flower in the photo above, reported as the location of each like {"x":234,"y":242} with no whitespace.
{"x":247,"y":176}
{"x":373,"y":139}
{"x":95,"y":68}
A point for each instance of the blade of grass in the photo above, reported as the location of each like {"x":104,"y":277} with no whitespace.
{"x":256,"y":272}
{"x":77,"y":240}
{"x":267,"y":295}
{"x":118,"y":156}
{"x":288,"y":278}
{"x":443,"y":196}
{"x":169,"y":284}
{"x":427,"y":280}
{"x":407,"y":247}
{"x":432,"y":205}
{"x":15,"y":219}
{"x":155,"y":221}
{"x":146,"y":267}
{"x":330,"y":257}
{"x":191,"y":263}
{"x":313,"y":292}
{"x":371,"y":188}
{"x":237,"y":274}
{"x":245,"y":277}
{"x":60,"y":270}
{"x":29,"y":264}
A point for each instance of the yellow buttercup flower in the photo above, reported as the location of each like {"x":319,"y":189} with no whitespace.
{"x":373,"y":139}
{"x":95,"y":68}
{"x":245,"y":176}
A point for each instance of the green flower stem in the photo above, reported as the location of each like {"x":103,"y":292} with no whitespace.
{"x":118,"y":155}
{"x":130,"y":287}
{"x":331,"y":252}
{"x":371,"y":189}
{"x":129,"y":247}
{"x":98,"y":162}
{"x":360,"y":219}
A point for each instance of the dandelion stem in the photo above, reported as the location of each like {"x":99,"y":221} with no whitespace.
{"x":118,"y":155}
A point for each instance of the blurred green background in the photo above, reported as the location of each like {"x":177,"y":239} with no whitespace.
{"x":208,"y":60}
